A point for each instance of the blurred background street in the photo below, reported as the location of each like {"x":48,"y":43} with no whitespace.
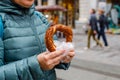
{"x":95,"y":63}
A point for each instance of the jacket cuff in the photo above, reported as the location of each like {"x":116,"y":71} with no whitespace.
{"x":35,"y":68}
{"x":64,"y":66}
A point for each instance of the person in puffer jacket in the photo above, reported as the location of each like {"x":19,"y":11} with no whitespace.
{"x":23,"y":54}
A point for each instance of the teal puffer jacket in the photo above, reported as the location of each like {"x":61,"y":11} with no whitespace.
{"x":23,"y":40}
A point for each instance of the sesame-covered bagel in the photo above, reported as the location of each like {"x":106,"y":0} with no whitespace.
{"x":67,"y":31}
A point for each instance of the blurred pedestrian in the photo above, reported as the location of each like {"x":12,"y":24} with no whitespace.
{"x":103,"y":24}
{"x":23,"y":54}
{"x":93,"y":29}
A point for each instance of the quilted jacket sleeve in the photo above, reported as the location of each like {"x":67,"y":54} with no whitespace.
{"x":26,"y":69}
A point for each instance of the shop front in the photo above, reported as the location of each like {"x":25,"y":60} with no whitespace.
{"x":115,"y":11}
{"x":64,"y":17}
{"x":114,"y":14}
{"x":72,"y":12}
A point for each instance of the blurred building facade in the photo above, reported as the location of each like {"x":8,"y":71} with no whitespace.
{"x":77,"y":10}
{"x":106,"y":5}
{"x":70,"y":15}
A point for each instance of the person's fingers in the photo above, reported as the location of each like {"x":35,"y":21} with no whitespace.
{"x":48,"y":60}
{"x":56,"y":63}
{"x":71,"y":54}
{"x":55,"y":54}
{"x":53,"y":62}
{"x":72,"y":50}
{"x":57,"y":59}
{"x":67,"y":59}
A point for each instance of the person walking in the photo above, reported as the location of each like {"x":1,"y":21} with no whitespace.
{"x":93,"y":29}
{"x":23,"y":54}
{"x":103,"y":24}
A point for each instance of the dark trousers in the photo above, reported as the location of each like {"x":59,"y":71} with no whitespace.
{"x":102,"y":33}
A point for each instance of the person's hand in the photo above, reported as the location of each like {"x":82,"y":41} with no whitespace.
{"x":69,"y":57}
{"x":48,"y":60}
{"x":95,"y":32}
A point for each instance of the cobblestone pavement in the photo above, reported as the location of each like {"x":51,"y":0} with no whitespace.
{"x":110,"y":55}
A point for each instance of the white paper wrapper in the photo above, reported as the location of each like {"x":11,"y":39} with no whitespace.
{"x":67,"y":46}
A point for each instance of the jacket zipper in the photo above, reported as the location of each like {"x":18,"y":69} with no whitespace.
{"x":36,"y":35}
